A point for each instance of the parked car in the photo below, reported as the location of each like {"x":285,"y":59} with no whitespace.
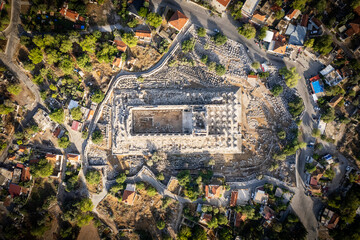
{"x":311,"y":144}
{"x":307,"y":159}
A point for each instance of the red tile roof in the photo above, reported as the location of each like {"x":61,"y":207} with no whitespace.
{"x":233,"y":199}
{"x":69,"y":14}
{"x":333,"y":221}
{"x":354,"y":29}
{"x":178,"y":20}
{"x":75,"y":125}
{"x":120,"y":45}
{"x":224,"y":2}
{"x":74,"y":157}
{"x":213,"y":191}
{"x":50,"y":157}
{"x":128,"y":197}
{"x":142,"y":33}
{"x":116,"y":62}
{"x":14,"y":190}
{"x":304,"y":20}
{"x":25,"y":174}
{"x":357,"y":10}
{"x":206,"y":218}
{"x":259,"y":17}
{"x":252,"y":76}
{"x":293,"y":13}
{"x":317,"y":77}
{"x":239,"y":218}
{"x":57,"y":132}
{"x":90,"y":115}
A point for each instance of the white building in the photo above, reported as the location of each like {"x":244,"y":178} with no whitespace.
{"x":249,"y":7}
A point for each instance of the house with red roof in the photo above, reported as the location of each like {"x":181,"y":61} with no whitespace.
{"x":76,"y":126}
{"x":73,"y":158}
{"x":214,"y":191}
{"x":144,"y":36}
{"x":117,"y":62}
{"x":205,"y":218}
{"x":71,"y":15}
{"x":178,"y":20}
{"x":220,"y":5}
{"x":14,"y":190}
{"x":239,"y":218}
{"x":120,"y":45}
{"x":129,"y":194}
{"x":293,"y":14}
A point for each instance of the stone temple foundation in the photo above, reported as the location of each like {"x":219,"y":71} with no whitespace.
{"x":176,"y":121}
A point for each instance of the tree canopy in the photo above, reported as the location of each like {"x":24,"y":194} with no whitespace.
{"x":262,"y":33}
{"x":322,"y":44}
{"x":36,"y":55}
{"x":129,"y":39}
{"x":93,"y":177}
{"x":98,"y":96}
{"x":76,"y":114}
{"x":64,"y":142}
{"x":220,"y":69}
{"x":247,"y":30}
{"x":290,"y":75}
{"x":58,"y":115}
{"x":277,"y":90}
{"x":97,"y":137}
{"x":201,"y":32}
{"x":219,"y":39}
{"x":154,"y":19}
{"x":296,"y":106}
{"x":14,"y":89}
{"x":188,"y":45}
{"x":42,"y":169}
{"x":235,"y":10}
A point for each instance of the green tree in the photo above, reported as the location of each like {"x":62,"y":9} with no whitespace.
{"x":160,"y":177}
{"x":255,"y":65}
{"x":296,"y":107}
{"x":36,"y":55}
{"x":85,"y":205}
{"x":279,"y":14}
{"x":151,"y":191}
{"x":67,"y":66}
{"x":213,"y":223}
{"x":4,"y":109}
{"x":88,"y":44}
{"x":84,"y":134}
{"x":38,"y":41}
{"x":235,"y":10}
{"x":329,"y":173}
{"x":83,"y":220}
{"x":309,"y":43}
{"x":52,"y":56}
{"x":188,"y":45}
{"x":42,"y":169}
{"x":247,"y":30}
{"x":66,"y":46}
{"x":184,"y":233}
{"x":58,"y":115}
{"x":204,"y":59}
{"x":299,"y":4}
{"x":316,"y":132}
{"x":84,"y":62}
{"x":199,"y":233}
{"x":277,"y":90}
{"x":143,"y":11}
{"x":160,"y":225}
{"x":328,"y":115}
{"x":281,"y":134}
{"x":97,"y":137}
{"x":212,"y":66}
{"x":355,"y":3}
{"x":201,"y":32}
{"x":310,"y":168}
{"x":184,"y":177}
{"x":64,"y":142}
{"x":129,"y":39}
{"x":14,"y":89}
{"x":220,"y":69}
{"x":154,"y":19}
{"x":133,"y":23}
{"x":290,"y":75}
{"x":323,"y":44}
{"x":262,"y":33}
{"x":93,"y":177}
{"x":76,"y":114}
{"x":219,"y":39}
{"x":98,"y":96}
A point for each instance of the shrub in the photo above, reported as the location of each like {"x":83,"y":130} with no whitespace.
{"x":97,"y":137}
{"x":316,"y":132}
{"x":188,"y":45}
{"x":151,"y":191}
{"x":219,"y":39}
{"x":93,"y":177}
{"x":255,"y":65}
{"x":204,"y":59}
{"x":76,"y":114}
{"x":247,"y":30}
{"x":129,"y":39}
{"x":220,"y":69}
{"x":201,"y":32}
{"x":42,"y":169}
{"x":212,"y":66}
{"x":160,"y":225}
{"x":281,"y":134}
{"x":154,"y":19}
{"x":277,"y":90}
{"x":98,"y":96}
{"x":14,"y":89}
{"x":64,"y":142}
{"x":58,"y":116}
{"x":160,"y":177}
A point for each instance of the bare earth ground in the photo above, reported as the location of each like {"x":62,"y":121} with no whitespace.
{"x":89,"y":232}
{"x":146,"y":57}
{"x":102,"y":14}
{"x":143,"y":215}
